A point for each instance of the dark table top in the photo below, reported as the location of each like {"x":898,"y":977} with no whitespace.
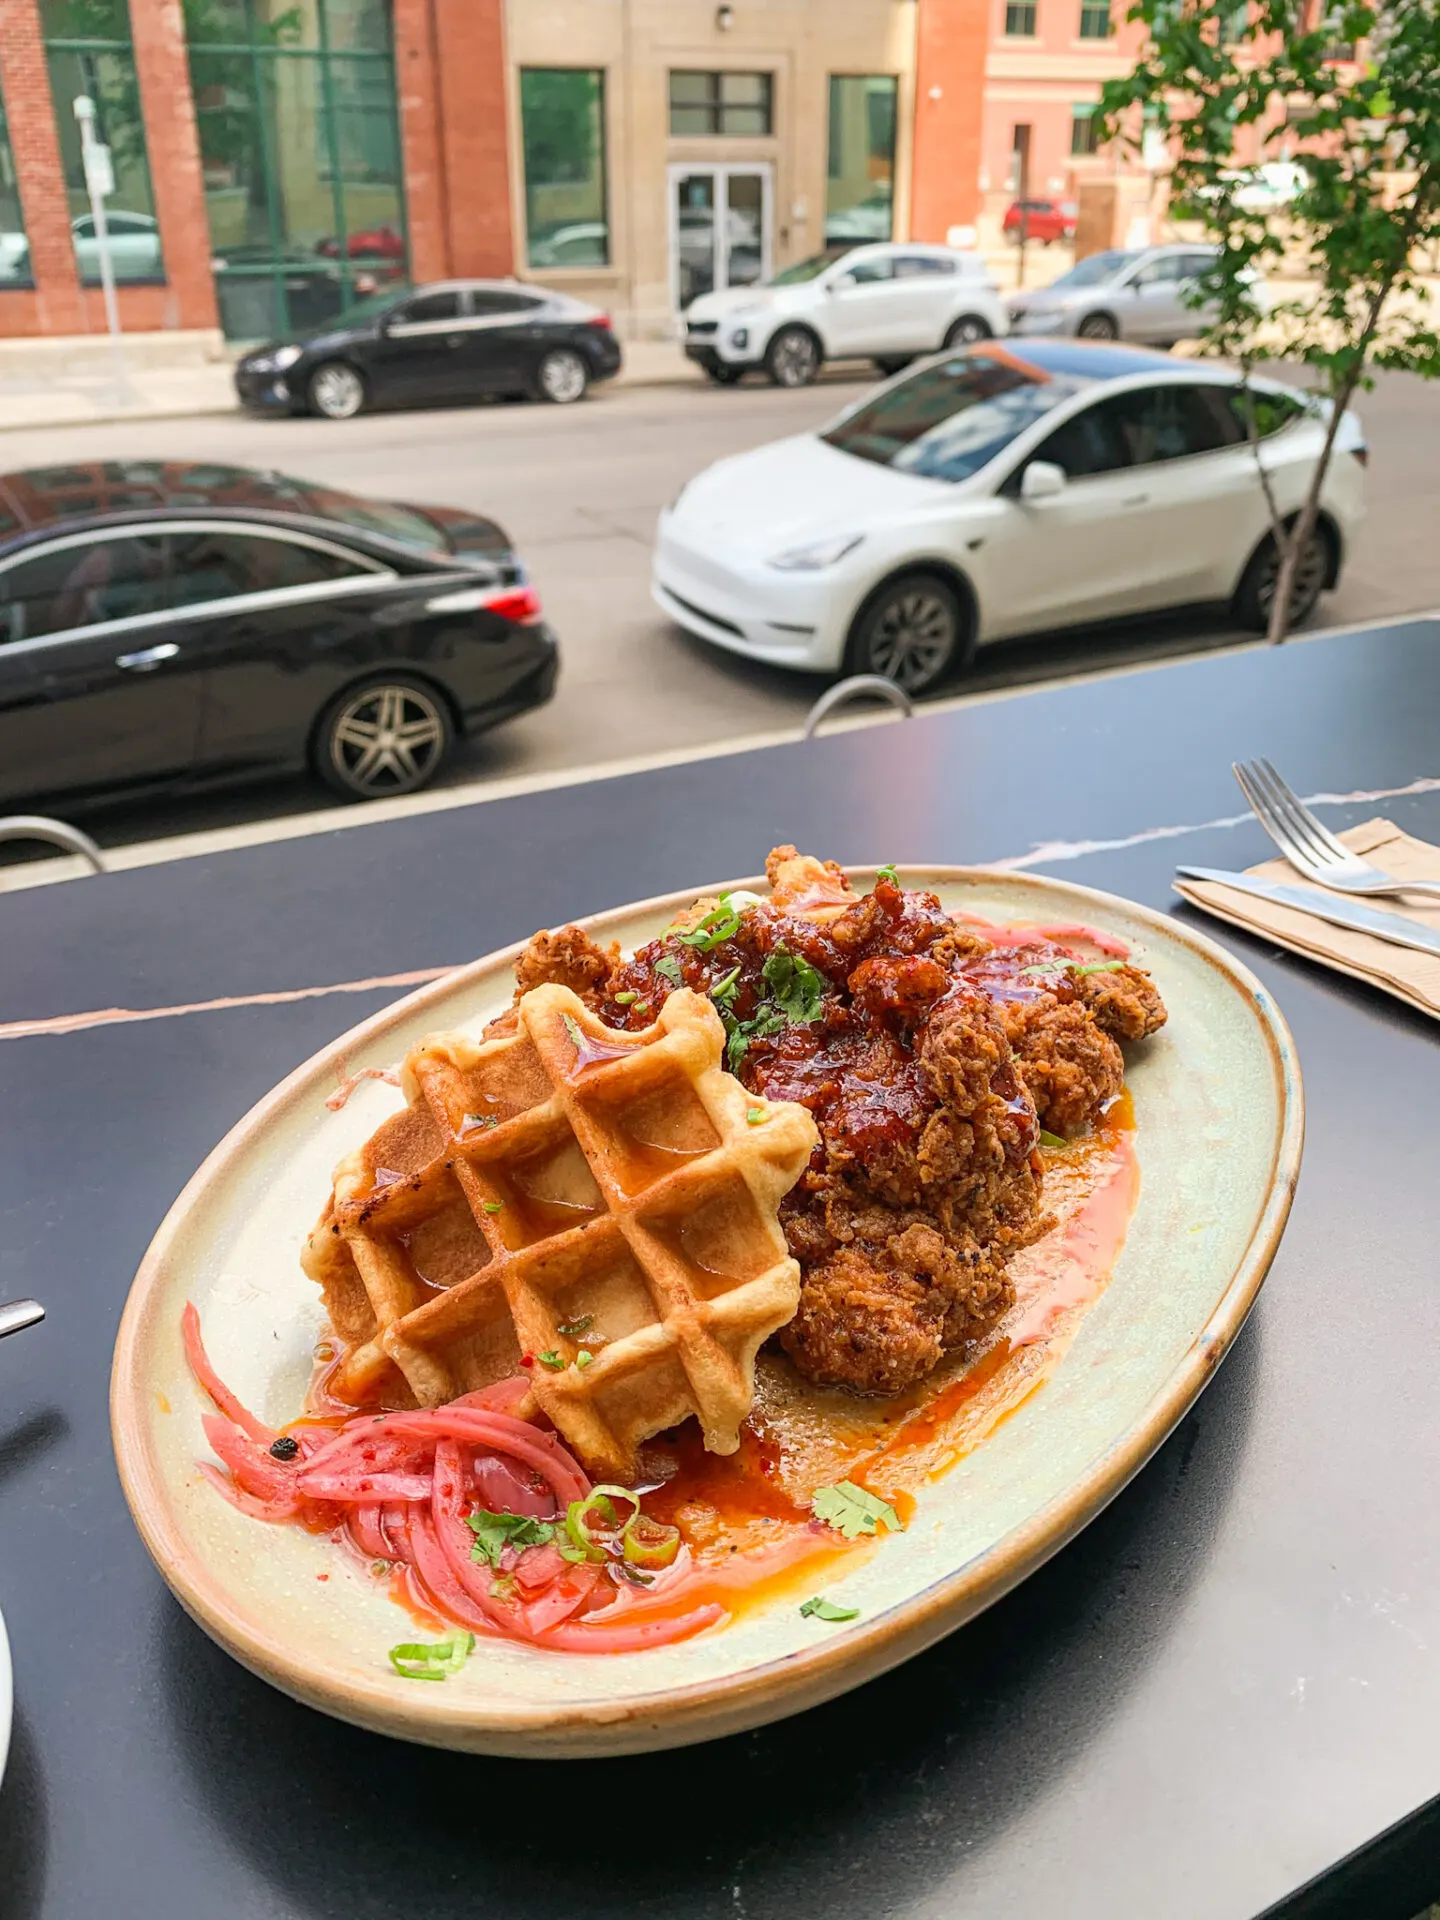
{"x":1220,"y":1693}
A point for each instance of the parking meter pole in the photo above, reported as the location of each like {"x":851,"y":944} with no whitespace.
{"x":99,"y":181}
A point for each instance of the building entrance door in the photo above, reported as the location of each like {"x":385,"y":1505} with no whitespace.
{"x":719,"y":229}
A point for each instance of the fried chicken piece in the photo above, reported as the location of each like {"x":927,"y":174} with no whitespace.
{"x":569,"y":958}
{"x":1125,"y":1003}
{"x":799,"y":883}
{"x":1071,"y":1067}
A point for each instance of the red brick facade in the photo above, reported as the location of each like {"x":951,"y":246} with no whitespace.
{"x":952,"y":38}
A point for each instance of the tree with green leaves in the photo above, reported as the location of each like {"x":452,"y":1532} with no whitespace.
{"x":1232,"y":88}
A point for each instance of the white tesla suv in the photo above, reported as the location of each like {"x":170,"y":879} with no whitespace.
{"x":887,"y":303}
{"x":1001,"y":490}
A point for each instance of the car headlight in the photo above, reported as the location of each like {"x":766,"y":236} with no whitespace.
{"x":820,"y":553}
{"x":285,"y":357}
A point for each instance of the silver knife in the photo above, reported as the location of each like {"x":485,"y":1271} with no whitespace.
{"x":1393,"y":927}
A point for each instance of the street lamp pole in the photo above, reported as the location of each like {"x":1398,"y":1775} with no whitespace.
{"x":100,"y":182}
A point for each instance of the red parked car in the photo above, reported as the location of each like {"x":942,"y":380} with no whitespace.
{"x":1045,"y":220}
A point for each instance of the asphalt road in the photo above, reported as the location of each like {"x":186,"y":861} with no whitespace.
{"x":579,"y":489}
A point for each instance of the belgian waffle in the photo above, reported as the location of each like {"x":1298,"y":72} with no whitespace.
{"x":567,"y":1191}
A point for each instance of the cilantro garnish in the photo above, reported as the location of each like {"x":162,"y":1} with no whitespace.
{"x":574,"y":1328}
{"x":583,"y":1358}
{"x":552,"y":1360}
{"x":1052,"y":1139}
{"x":853,"y":1510}
{"x":796,"y":997}
{"x":822,"y":1609}
{"x":887,"y":872}
{"x":496,"y":1531}
{"x":799,"y":990}
{"x":424,"y":1660}
{"x":572,"y":1027}
{"x":669,"y":967}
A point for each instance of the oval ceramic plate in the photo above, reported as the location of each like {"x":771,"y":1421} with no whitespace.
{"x":6,"y":1697}
{"x":1218,"y":1135}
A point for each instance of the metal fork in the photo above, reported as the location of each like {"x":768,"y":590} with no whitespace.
{"x":1308,"y":844}
{"x":18,"y":1315}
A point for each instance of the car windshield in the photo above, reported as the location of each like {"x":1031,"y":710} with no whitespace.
{"x":810,"y":269}
{"x":372,"y":516}
{"x":1095,"y":268}
{"x":952,"y":418}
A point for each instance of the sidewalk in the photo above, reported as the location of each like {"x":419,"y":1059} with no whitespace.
{"x":80,"y":382}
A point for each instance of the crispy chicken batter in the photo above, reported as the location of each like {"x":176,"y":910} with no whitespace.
{"x":930,"y":1059}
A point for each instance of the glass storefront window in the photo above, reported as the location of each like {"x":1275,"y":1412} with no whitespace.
{"x":14,"y":247}
{"x":88,"y":51}
{"x":860,"y":183}
{"x":300,"y":151}
{"x":562,"y":120}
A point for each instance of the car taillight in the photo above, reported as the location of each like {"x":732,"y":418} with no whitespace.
{"x":599,"y":320}
{"x":521,"y":604}
{"x":1362,"y":454}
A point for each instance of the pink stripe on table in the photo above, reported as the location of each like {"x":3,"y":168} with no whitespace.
{"x":121,"y":1016}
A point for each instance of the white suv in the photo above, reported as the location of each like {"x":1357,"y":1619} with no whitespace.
{"x":886,"y":303}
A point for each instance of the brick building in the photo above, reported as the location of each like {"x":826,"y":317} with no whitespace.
{"x":276,"y":160}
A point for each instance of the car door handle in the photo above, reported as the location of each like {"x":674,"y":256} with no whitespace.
{"x":148,"y":658}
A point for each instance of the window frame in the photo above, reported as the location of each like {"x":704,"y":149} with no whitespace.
{"x":1090,"y":12}
{"x":715,"y":105}
{"x":1084,"y":114}
{"x":602,"y":157}
{"x":1022,"y":9}
{"x":10,"y":192}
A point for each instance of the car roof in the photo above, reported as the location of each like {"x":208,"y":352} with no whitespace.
{"x":1093,"y":359}
{"x":41,"y":499}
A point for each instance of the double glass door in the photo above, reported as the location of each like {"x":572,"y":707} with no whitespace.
{"x":719,"y":229}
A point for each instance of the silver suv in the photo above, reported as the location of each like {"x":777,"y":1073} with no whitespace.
{"x":1119,"y":295}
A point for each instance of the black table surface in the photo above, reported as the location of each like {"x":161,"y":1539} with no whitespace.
{"x":1222,"y":1697}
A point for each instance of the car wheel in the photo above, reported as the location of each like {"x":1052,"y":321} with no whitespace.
{"x":793,"y":357}
{"x":911,"y":631}
{"x":1098,"y":326}
{"x":336,"y":391}
{"x":388,"y":737}
{"x":1255,"y":595}
{"x":965,"y":331}
{"x":724,"y":376}
{"x":562,"y":377}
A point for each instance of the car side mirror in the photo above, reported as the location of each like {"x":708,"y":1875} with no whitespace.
{"x":839,"y":282}
{"x":1042,"y":480}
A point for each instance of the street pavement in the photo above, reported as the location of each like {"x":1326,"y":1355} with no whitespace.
{"x":579,"y":489}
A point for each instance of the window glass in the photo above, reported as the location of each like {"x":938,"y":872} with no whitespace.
{"x":486,"y":300}
{"x":88,"y":52}
{"x":1270,"y":411}
{"x":860,"y":169}
{"x":300,"y":153}
{"x":867,"y":272}
{"x":1089,"y":443}
{"x":1096,"y":268}
{"x":951,"y":418}
{"x":807,"y":269}
{"x":922,"y":266}
{"x":562,"y":118}
{"x":737,"y":104}
{"x":14,"y":247}
{"x":1020,"y":19}
{"x":80,"y":586}
{"x":1094,"y":19}
{"x":430,"y":306}
{"x":370,"y":516}
{"x":1167,"y":423}
{"x":1084,"y":130}
{"x":218,"y":565}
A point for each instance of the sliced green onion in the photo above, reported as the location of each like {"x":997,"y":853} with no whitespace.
{"x":552,"y":1360}
{"x":648,"y":1543}
{"x":755,"y":1116}
{"x":572,"y":1329}
{"x":887,"y":872}
{"x":626,"y":999}
{"x":1052,"y":1139}
{"x":470,"y":1121}
{"x":422,"y":1660}
{"x":572,"y":1027}
{"x":1100,"y":966}
{"x":721,"y":923}
{"x":725,"y":989}
{"x":494,"y":1206}
{"x":599,"y":1500}
{"x":583,"y":1358}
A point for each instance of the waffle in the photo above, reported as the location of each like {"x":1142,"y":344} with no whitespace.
{"x":561,"y":1190}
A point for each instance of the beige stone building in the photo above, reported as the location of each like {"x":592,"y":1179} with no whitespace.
{"x":660,"y":148}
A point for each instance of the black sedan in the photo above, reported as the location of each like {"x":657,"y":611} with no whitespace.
{"x":167,"y":623}
{"x":455,"y":340}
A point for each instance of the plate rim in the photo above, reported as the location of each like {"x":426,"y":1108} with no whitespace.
{"x":778,"y":1686}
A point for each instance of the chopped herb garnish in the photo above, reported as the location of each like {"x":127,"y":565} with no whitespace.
{"x":583,"y":1358}
{"x":495,"y":1531}
{"x":853,"y":1510}
{"x":723,"y":991}
{"x":573,"y":1553}
{"x":822,"y":1609}
{"x":502,"y":1587}
{"x":1047,"y":966}
{"x":572,"y":1027}
{"x":379,"y":1568}
{"x":552,"y":1360}
{"x":1052,"y":1139}
{"x":755,"y":1116}
{"x":1100,"y":966}
{"x":626,"y":999}
{"x":799,"y":990}
{"x":494,"y":1206}
{"x":721,"y":923}
{"x":422,"y":1660}
{"x":472,"y":1120}
{"x":1076,"y":972}
{"x":284,"y":1448}
{"x":887,"y":872}
{"x":574,"y":1328}
{"x":669,"y":968}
